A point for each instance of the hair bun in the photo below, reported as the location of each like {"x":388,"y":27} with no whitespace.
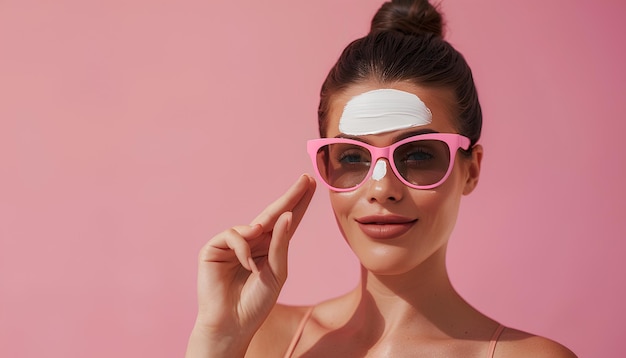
{"x":415,"y":17}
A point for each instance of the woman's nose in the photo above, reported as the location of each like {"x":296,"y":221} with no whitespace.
{"x":383,"y":185}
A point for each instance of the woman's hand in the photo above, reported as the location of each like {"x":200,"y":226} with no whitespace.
{"x":241,"y":272}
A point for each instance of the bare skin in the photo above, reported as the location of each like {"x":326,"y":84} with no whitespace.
{"x":404,"y":304}
{"x":240,"y":274}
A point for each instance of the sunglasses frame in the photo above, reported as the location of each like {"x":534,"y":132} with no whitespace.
{"x":453,"y":141}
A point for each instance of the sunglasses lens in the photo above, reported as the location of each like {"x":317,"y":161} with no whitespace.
{"x":343,"y":165}
{"x":422,"y":162}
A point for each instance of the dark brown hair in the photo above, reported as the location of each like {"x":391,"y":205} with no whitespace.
{"x":406,"y":43}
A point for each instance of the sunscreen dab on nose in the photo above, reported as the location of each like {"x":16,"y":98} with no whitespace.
{"x":383,"y":110}
{"x":380,"y":170}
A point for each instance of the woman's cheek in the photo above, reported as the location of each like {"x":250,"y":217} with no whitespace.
{"x":343,"y":205}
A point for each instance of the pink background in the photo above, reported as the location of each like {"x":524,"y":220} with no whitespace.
{"x":132,"y":131}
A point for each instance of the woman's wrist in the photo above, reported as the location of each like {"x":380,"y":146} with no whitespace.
{"x":209,"y":342}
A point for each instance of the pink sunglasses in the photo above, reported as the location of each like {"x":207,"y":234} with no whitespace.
{"x":423,"y":161}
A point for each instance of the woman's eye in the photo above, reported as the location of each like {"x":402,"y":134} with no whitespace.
{"x":350,"y":158}
{"x":418,"y":156}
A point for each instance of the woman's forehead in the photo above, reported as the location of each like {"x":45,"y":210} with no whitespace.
{"x":383,"y":110}
{"x":374,"y":108}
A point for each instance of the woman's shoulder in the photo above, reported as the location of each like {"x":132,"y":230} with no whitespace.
{"x":515,"y":343}
{"x":282,"y":314}
{"x":275,"y":334}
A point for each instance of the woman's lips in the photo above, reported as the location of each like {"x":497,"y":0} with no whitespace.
{"x":385,"y":227}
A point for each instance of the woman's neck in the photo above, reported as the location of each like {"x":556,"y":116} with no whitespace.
{"x":422,"y":299}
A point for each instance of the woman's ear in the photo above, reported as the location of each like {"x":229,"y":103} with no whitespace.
{"x":473,"y":169}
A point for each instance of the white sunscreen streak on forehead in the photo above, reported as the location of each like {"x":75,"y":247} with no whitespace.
{"x":383,"y":110}
{"x":380,"y":170}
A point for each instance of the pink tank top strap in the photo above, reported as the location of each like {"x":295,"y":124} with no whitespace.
{"x":307,"y":315}
{"x":298,"y":334}
{"x":494,"y":340}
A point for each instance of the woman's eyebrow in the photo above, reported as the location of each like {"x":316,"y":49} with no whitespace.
{"x":399,"y":137}
{"x":413,"y":133}
{"x":347,"y":136}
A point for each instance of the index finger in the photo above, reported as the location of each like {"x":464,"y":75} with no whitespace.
{"x":296,"y":199}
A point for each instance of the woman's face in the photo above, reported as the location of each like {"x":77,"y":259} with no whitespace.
{"x":391,"y":227}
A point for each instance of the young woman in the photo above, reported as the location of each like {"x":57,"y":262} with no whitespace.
{"x":400,"y":120}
